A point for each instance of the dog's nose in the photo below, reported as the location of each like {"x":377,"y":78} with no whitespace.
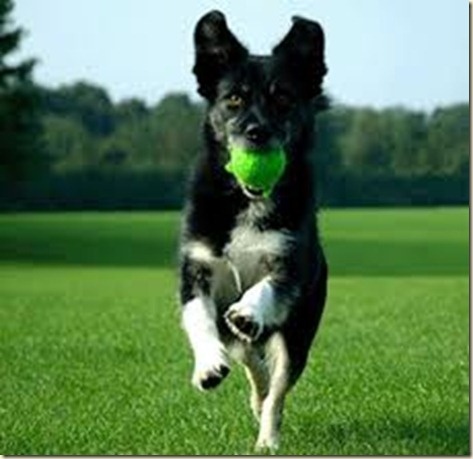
{"x":257,"y":134}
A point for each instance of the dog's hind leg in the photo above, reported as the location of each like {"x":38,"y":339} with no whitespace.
{"x":256,"y":370}
{"x":273,"y":403}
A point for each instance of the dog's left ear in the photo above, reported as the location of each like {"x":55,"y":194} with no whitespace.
{"x":216,"y":51}
{"x":302,"y":52}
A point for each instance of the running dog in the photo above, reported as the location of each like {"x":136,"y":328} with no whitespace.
{"x":252,"y":270}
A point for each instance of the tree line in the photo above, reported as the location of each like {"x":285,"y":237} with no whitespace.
{"x":72,"y":147}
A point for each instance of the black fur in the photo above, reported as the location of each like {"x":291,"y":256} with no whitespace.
{"x":276,"y":98}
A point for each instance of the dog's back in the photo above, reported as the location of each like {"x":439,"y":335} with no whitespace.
{"x":253,"y":273}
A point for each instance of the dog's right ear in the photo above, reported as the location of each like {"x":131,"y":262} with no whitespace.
{"x":216,"y":51}
{"x":302,"y":52}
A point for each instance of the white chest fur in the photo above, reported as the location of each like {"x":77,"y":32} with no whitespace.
{"x":244,"y":258}
{"x":249,"y":247}
{"x":247,"y":254}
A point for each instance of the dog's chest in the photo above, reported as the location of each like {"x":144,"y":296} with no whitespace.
{"x":247,"y":258}
{"x":244,"y":262}
{"x":250,"y":250}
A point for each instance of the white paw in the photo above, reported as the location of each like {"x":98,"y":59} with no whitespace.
{"x":267,"y":444}
{"x":210,"y":369}
{"x":244,"y":322}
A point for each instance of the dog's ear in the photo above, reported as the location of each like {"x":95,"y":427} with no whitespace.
{"x":302,"y":52}
{"x":216,"y":51}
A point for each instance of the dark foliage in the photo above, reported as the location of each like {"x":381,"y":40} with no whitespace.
{"x":126,"y":155}
{"x":20,"y":151}
{"x":73,"y":147}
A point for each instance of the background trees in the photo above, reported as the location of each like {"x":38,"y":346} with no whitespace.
{"x":20,"y":152}
{"x":127,"y":154}
{"x":73,"y":147}
{"x":83,"y":130}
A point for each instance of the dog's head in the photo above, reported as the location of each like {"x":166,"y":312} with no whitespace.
{"x":258,"y":102}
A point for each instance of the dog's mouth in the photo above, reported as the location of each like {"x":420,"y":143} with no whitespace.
{"x":252,"y":193}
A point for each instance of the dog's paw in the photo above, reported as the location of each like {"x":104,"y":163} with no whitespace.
{"x":267,"y":446}
{"x":243,"y":323}
{"x":210,"y":372}
{"x":209,"y":378}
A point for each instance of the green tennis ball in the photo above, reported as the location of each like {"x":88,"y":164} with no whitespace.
{"x":257,"y":169}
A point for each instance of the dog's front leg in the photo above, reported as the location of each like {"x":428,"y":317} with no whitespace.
{"x":211,"y":363}
{"x":199,"y":319}
{"x":260,"y":306}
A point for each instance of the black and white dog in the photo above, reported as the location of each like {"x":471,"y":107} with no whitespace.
{"x":253,"y":273}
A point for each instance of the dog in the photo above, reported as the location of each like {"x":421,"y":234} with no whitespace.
{"x":253,"y":275}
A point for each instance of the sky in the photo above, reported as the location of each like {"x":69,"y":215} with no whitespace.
{"x":380,"y":53}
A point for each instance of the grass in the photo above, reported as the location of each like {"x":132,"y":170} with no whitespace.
{"x":93,"y":360}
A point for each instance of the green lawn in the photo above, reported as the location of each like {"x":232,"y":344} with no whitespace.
{"x":93,"y":360}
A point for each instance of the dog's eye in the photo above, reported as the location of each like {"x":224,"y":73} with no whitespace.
{"x":234,"y":101}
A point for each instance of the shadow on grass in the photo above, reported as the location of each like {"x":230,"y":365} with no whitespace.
{"x":106,"y":251}
{"x":346,"y":258}
{"x":114,"y":244}
{"x":104,"y":241}
{"x":397,"y":258}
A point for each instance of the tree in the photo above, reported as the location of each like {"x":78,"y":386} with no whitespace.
{"x":447,"y":150}
{"x":406,"y":133}
{"x":68,"y":143}
{"x":19,"y":123}
{"x":175,"y":130}
{"x":364,"y":145}
{"x":87,"y":103}
{"x":130,"y":147}
{"x":331,"y":125}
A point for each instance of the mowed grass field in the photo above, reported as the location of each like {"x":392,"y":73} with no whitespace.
{"x":93,"y":360}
